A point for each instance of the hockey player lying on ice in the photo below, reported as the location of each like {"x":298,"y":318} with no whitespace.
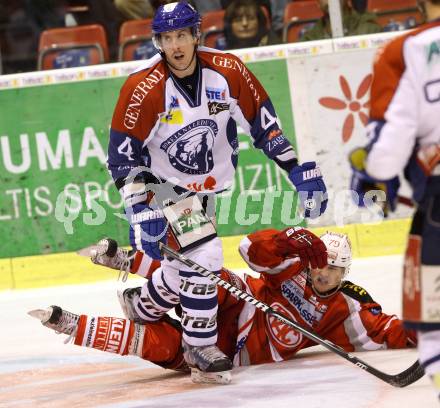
{"x":336,"y":309}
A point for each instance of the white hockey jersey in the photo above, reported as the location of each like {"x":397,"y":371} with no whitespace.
{"x":405,"y":100}
{"x":193,"y":143}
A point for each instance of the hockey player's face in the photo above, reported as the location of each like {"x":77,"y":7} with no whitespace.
{"x":326,"y":279}
{"x":178,"y":47}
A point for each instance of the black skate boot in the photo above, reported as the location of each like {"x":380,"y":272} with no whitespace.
{"x":127,"y":300}
{"x":208,"y":364}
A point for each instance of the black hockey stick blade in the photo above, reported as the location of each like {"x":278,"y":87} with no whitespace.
{"x":407,"y":377}
{"x":403,"y":379}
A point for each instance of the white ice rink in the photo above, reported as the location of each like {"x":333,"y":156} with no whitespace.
{"x":38,"y":370}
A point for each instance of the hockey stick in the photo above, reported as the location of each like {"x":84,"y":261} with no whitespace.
{"x":406,"y":377}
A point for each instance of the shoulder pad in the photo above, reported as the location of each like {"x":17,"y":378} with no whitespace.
{"x":356,"y":292}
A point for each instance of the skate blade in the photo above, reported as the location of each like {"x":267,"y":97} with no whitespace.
{"x":203,"y":377}
{"x":88,"y":251}
{"x":43,"y":315}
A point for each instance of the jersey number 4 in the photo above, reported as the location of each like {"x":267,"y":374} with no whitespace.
{"x":267,"y":120}
{"x":126,"y":149}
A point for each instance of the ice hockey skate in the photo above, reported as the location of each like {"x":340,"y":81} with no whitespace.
{"x":57,"y":319}
{"x":208,"y":364}
{"x":107,"y":253}
{"x":127,"y":299}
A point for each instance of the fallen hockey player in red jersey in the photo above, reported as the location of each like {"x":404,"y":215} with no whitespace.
{"x":319,"y":299}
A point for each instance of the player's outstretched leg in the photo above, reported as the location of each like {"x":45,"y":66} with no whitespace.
{"x":158,"y":342}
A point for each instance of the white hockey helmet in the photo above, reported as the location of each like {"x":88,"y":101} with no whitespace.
{"x":338,"y":250}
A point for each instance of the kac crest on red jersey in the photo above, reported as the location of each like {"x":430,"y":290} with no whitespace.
{"x":283,"y":334}
{"x":190,"y":148}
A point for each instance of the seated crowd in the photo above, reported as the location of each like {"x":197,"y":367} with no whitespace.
{"x":237,"y":24}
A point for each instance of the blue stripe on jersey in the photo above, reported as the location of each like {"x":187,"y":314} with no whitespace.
{"x":374,"y":128}
{"x":431,"y":361}
{"x":198,"y":303}
{"x":231,"y":133}
{"x":168,"y":288}
{"x":266,"y":133}
{"x":158,"y":299}
{"x":200,"y":335}
{"x":146,"y":312}
{"x":188,"y":274}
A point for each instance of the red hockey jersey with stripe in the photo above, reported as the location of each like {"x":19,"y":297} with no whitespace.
{"x":350,"y":318}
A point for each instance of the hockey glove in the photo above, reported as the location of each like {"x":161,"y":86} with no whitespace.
{"x":147,"y":228}
{"x":299,"y":242}
{"x":311,"y":189}
{"x":361,"y":183}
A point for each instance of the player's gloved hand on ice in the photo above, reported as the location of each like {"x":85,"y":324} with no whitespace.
{"x":147,"y":228}
{"x":361,"y":183}
{"x":299,"y":242}
{"x":311,"y":189}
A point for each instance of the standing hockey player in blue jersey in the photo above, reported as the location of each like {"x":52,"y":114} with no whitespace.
{"x":173,"y":133}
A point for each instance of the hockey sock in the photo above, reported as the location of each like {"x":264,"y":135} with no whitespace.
{"x":109,"y":334}
{"x":156,"y":298}
{"x":198,"y":298}
{"x":157,"y":342}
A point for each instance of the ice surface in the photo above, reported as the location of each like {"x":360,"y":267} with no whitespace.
{"x":38,"y":370}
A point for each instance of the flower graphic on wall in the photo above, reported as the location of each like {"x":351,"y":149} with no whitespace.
{"x":354,"y":105}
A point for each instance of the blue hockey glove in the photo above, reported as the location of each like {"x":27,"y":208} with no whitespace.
{"x":311,"y":189}
{"x":147,"y":228}
{"x":361,"y":183}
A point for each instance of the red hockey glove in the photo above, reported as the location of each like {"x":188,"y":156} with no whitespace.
{"x":299,"y":242}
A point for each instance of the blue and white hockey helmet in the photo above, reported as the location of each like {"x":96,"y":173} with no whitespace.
{"x":175,"y":16}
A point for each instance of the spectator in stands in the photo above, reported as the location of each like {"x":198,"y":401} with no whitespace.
{"x":105,"y":13}
{"x":278,"y":7}
{"x":267,"y":4}
{"x":22,"y":22}
{"x":246,"y":26}
{"x":354,"y":22}
{"x":135,"y":9}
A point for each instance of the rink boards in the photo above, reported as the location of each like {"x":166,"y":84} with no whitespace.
{"x":385,"y":238}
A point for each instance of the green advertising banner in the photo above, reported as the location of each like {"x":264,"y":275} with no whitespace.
{"x":56,"y":194}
